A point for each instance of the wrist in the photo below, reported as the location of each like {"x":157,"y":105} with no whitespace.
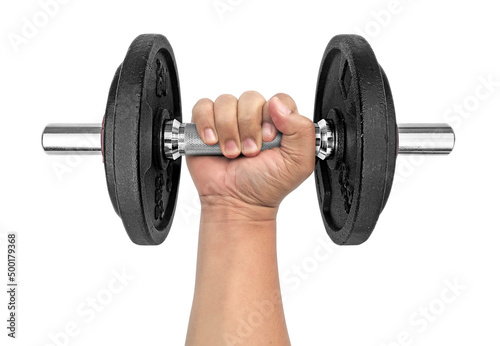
{"x":218,"y":209}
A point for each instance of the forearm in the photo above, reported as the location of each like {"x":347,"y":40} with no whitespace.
{"x":237,"y":298}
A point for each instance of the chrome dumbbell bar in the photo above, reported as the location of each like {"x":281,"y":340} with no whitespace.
{"x":182,"y":139}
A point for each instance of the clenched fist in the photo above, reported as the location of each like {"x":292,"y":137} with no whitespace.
{"x":250,"y":182}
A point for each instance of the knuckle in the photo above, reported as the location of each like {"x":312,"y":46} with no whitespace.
{"x":226,"y":98}
{"x":203,"y":109}
{"x":252,"y":95}
{"x":204,"y":101}
{"x":203,"y":104}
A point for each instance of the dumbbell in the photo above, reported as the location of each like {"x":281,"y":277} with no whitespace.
{"x":142,"y":138}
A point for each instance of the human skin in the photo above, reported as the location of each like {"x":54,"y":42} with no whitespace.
{"x":237,"y":299}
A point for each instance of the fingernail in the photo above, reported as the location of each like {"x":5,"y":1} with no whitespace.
{"x":249,"y":146}
{"x":209,"y":135}
{"x":282,"y":107}
{"x":232,"y":148}
{"x":267,"y":130}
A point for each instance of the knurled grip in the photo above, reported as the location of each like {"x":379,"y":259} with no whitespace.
{"x":191,"y":144}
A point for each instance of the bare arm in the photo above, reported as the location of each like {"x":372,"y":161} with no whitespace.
{"x":237,"y":297}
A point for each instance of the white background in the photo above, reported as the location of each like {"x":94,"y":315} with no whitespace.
{"x":440,"y":226}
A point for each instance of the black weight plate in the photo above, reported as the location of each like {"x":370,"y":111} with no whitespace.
{"x":393,"y":138}
{"x":143,"y":185}
{"x":107,"y":139}
{"x":354,"y":97}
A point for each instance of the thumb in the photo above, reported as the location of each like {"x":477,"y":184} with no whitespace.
{"x":299,"y":135}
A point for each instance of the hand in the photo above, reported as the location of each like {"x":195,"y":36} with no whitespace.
{"x":256,"y":180}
